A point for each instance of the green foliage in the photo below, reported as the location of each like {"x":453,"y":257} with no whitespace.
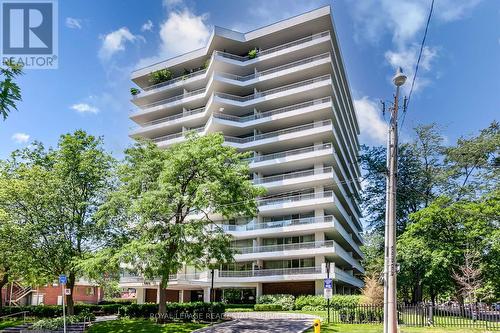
{"x":252,"y":53}
{"x":310,"y":303}
{"x":160,"y":76}
{"x":285,"y":301}
{"x":196,"y":311}
{"x":10,"y":93}
{"x":268,"y":307}
{"x":57,"y":323}
{"x":160,"y":188}
{"x":134,"y":91}
{"x":51,"y":195}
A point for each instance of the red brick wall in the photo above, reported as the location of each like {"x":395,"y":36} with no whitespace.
{"x":79,"y":295}
{"x":292,"y":288}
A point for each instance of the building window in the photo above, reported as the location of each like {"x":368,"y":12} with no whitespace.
{"x":89,"y":291}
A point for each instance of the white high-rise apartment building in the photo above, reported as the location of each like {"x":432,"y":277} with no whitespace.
{"x":289,"y":103}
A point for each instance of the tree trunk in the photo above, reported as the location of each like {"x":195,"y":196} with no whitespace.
{"x":162,"y":305}
{"x":69,"y":298}
{"x":3,"y":282}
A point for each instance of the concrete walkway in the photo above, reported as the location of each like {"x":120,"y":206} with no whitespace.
{"x":262,"y":322}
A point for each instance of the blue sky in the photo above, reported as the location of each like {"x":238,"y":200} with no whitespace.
{"x":100,"y":42}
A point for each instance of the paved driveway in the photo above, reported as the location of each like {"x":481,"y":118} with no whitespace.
{"x":262,"y":322}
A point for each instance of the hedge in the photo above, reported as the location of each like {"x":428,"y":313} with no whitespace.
{"x":268,"y":307}
{"x":317,"y":303}
{"x":51,"y":311}
{"x":197,"y":311}
{"x":285,"y":301}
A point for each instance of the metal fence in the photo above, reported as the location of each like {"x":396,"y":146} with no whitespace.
{"x":446,"y":315}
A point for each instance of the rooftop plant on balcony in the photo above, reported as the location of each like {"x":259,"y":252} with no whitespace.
{"x":134,"y":91}
{"x":252,"y":53}
{"x":160,"y":76}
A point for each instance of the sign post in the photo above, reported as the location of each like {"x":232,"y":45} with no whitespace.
{"x":62,"y":282}
{"x":328,"y":286}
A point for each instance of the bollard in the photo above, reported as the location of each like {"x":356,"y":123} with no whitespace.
{"x":317,"y":326}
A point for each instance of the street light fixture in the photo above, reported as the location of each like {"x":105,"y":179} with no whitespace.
{"x":390,"y":269}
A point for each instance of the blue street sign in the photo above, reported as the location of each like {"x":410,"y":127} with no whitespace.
{"x":62,"y":279}
{"x":328,"y":284}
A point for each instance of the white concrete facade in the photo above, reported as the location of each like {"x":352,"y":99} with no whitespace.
{"x":291,"y":106}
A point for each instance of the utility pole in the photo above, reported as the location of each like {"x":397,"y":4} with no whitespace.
{"x":390,"y":270}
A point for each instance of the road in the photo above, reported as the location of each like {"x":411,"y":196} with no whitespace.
{"x":262,"y":322}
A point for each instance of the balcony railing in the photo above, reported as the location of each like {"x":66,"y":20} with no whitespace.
{"x":177,"y":79}
{"x":177,"y":135}
{"x":274,"y":90}
{"x":173,"y":117}
{"x":340,"y":274}
{"x":274,"y":69}
{"x":171,"y":99}
{"x":278,"y":133}
{"x":292,"y":175}
{"x":275,"y":48}
{"x":277,"y":224}
{"x":236,"y":57}
{"x":287,"y":153}
{"x":285,"y":247}
{"x":271,"y":113}
{"x":270,"y":272}
{"x":294,"y":198}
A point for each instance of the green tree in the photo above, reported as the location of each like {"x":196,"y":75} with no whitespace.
{"x":419,"y":176}
{"x":52,"y":195}
{"x":10,"y":93}
{"x":473,"y":164}
{"x":443,"y":232}
{"x":166,"y":202}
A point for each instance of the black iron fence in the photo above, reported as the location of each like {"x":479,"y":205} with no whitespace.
{"x":446,"y":315}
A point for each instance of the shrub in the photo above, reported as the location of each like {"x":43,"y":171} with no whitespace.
{"x":252,"y":53}
{"x":268,"y":307}
{"x":285,"y":301}
{"x":310,"y":301}
{"x":134,"y":91}
{"x":339,"y":301}
{"x":54,"y":324}
{"x":108,"y":309}
{"x":313,"y":308}
{"x":160,"y":76}
{"x":121,"y":301}
{"x":239,"y":306}
{"x":197,"y":311}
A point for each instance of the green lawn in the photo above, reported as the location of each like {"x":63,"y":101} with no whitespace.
{"x":10,"y":323}
{"x":142,"y":325}
{"x":368,"y":328}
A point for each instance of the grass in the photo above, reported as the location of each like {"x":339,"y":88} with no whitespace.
{"x":369,"y":328}
{"x":142,"y":325}
{"x":10,"y":323}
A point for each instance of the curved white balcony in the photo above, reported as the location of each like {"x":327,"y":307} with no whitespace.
{"x":271,"y":275}
{"x":293,"y":159}
{"x":296,"y":180}
{"x":295,"y":203}
{"x":240,"y":61}
{"x":327,"y":224}
{"x":297,"y":250}
{"x":317,"y":87}
{"x":291,"y":113}
{"x":340,"y":275}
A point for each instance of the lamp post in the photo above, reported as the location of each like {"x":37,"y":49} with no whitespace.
{"x":390,"y":271}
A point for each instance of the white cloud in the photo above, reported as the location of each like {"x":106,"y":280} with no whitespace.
{"x":84,"y":108}
{"x":171,"y":3}
{"x":405,"y":21}
{"x":115,"y":42}
{"x":147,"y":26}
{"x":20,"y":137}
{"x":407,"y":58}
{"x":373,"y":127}
{"x":181,"y":32}
{"x":73,"y":23}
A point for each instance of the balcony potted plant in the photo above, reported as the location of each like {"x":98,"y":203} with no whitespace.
{"x":253,"y":53}
{"x":134,"y":91}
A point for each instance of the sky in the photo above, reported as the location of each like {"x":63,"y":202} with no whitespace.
{"x":101,"y":42}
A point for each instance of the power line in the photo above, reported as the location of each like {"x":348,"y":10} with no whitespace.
{"x":418,"y":62}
